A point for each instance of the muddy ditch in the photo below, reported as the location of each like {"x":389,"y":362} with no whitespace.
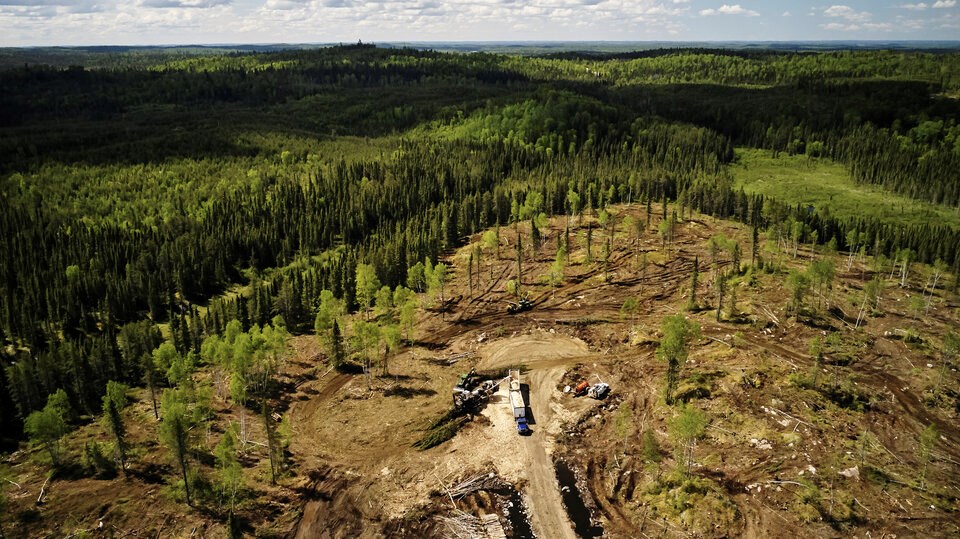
{"x":575,"y":501}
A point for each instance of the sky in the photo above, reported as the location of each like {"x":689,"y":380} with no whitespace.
{"x":164,"y":22}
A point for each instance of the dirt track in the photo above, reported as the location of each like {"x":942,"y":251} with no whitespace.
{"x":539,"y":352}
{"x":589,"y":307}
{"x":543,"y":492}
{"x":355,"y":474}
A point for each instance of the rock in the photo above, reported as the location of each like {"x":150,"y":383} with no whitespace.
{"x":761,"y":443}
{"x":851,"y":473}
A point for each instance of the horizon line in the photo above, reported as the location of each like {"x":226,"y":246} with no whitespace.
{"x":952,"y":42}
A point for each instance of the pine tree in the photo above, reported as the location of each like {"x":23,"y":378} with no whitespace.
{"x":175,"y":432}
{"x":114,"y":401}
{"x":273,"y":444}
{"x":336,"y":345}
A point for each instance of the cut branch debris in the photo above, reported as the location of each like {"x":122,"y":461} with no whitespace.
{"x":43,"y":491}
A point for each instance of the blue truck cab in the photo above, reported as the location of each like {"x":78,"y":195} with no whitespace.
{"x":522,"y":427}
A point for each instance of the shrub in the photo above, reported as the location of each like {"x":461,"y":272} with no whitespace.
{"x":96,"y":462}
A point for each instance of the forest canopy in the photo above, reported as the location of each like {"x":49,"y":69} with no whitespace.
{"x":138,"y":188}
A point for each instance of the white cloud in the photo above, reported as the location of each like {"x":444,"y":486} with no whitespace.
{"x":184,"y":3}
{"x":285,"y":4}
{"x":727,"y":9}
{"x":661,"y":9}
{"x":74,"y":6}
{"x":855,"y":26}
{"x":736,"y":10}
{"x":840,"y":26}
{"x":848,"y":13}
{"x":81,"y":22}
{"x":43,"y":11}
{"x":915,"y":7}
{"x":465,"y":20}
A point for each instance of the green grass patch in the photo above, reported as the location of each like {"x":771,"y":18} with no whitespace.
{"x":698,"y":503}
{"x":827,"y":186}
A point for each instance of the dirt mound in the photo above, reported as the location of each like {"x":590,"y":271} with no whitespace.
{"x":331,"y":510}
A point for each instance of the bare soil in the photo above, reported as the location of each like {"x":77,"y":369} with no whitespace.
{"x":768,"y":464}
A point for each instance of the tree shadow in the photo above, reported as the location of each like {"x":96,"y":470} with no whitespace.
{"x":149,"y":472}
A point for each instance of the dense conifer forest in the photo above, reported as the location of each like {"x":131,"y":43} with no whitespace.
{"x":136,"y":194}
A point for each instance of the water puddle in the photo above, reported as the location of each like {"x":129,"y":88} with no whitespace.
{"x":576,"y":509}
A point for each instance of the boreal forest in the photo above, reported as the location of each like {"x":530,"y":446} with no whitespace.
{"x":237,"y":286}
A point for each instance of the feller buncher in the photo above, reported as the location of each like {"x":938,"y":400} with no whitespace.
{"x":514,"y":307}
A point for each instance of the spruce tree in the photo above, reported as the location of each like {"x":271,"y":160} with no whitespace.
{"x":114,"y":401}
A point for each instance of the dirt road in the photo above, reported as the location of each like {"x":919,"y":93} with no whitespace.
{"x":540,"y":352}
{"x":549,"y":518}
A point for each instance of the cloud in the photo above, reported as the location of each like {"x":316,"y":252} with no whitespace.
{"x":203,"y":4}
{"x":856,"y":26}
{"x":464,"y":20}
{"x":80,"y":22}
{"x":727,"y":9}
{"x":336,"y":3}
{"x":661,"y":9}
{"x":848,"y":13}
{"x":39,"y":12}
{"x":285,"y":4}
{"x":50,"y":8}
{"x":840,"y":26}
{"x":43,"y":3}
